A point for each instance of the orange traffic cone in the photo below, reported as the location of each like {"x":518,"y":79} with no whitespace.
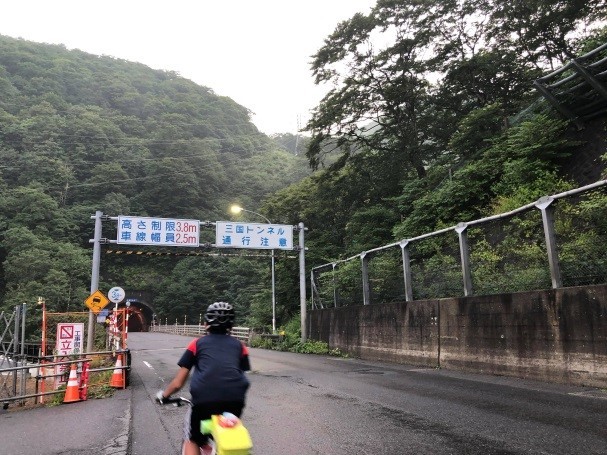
{"x":118,"y":375}
{"x":72,"y":392}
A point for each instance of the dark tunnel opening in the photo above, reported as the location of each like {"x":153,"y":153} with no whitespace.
{"x":140,"y":315}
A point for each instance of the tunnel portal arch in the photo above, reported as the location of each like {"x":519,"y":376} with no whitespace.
{"x":141,"y":310}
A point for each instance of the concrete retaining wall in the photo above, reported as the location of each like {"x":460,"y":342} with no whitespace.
{"x":554,"y":336}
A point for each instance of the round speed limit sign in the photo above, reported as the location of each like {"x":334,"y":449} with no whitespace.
{"x":116,"y":295}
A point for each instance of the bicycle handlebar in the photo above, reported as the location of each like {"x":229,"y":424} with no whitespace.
{"x":176,"y":400}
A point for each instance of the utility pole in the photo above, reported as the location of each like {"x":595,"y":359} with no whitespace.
{"x":94,"y":277}
{"x":238,"y":209}
{"x":302,"y":282}
{"x":297,"y":133}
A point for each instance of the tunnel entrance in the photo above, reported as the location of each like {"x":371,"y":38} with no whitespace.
{"x":141,"y":312}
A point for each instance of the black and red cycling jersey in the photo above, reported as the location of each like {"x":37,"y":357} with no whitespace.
{"x":219,"y":362}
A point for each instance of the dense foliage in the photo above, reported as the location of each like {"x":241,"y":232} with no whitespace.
{"x":402,"y":77}
{"x":80,"y":133}
{"x":431,"y":119}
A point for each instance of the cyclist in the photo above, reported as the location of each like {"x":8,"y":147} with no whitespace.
{"x":218,"y":383}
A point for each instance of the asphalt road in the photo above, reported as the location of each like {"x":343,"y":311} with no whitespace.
{"x":306,"y":404}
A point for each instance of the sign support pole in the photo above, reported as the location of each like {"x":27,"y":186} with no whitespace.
{"x":302,"y":283}
{"x":94,"y":278}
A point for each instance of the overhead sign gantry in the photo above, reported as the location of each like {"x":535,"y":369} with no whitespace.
{"x":146,"y":231}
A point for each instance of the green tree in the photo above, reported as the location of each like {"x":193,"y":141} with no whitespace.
{"x":546,"y":33}
{"x":381,"y":101}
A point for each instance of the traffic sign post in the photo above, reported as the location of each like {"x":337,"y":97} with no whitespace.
{"x":116,"y":295}
{"x":96,"y":241}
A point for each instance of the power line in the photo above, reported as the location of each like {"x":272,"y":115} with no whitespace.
{"x":122,"y":142}
{"x":88,"y":163}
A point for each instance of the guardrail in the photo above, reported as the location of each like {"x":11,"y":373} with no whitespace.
{"x":39,"y":372}
{"x":242,"y":333}
{"x":556,"y":241}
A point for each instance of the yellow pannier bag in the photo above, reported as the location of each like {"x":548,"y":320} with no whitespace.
{"x":230,"y":435}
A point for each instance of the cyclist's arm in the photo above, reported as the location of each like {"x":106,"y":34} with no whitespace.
{"x":177,"y":383}
{"x":245,"y":365}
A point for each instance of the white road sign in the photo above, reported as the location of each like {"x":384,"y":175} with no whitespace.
{"x":230,"y":234}
{"x":116,"y":294}
{"x":134,"y":230}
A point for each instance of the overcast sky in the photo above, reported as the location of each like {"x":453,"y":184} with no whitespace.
{"x":256,"y":52}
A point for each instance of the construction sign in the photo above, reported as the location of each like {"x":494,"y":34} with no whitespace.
{"x":96,"y":301}
{"x":69,"y":338}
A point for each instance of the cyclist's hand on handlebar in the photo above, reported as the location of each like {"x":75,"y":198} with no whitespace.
{"x":160,"y":397}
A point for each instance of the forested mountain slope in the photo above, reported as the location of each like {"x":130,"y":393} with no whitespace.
{"x":92,"y":129}
{"x":80,"y":133}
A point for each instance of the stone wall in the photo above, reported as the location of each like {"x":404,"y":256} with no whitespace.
{"x":555,"y":335}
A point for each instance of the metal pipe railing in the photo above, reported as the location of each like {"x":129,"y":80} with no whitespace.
{"x":242,"y":333}
{"x":543,"y":204}
{"x":44,"y":364}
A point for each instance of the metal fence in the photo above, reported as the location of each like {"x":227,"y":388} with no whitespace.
{"x":556,"y":241}
{"x":46,"y":377}
{"x":242,"y":333}
{"x":12,"y":352}
{"x":27,"y":377}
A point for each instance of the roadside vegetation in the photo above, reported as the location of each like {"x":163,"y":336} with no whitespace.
{"x":289,"y":339}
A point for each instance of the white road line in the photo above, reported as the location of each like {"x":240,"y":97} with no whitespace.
{"x":148,"y":365}
{"x":601,"y":395}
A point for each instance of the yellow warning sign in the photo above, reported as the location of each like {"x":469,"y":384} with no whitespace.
{"x":96,"y":301}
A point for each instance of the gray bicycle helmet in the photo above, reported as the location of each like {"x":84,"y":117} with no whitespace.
{"x":220,"y":314}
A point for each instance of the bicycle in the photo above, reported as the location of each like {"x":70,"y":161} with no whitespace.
{"x":227,"y":434}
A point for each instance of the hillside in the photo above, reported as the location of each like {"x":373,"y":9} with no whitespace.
{"x":80,"y":133}
{"x":92,"y":129}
